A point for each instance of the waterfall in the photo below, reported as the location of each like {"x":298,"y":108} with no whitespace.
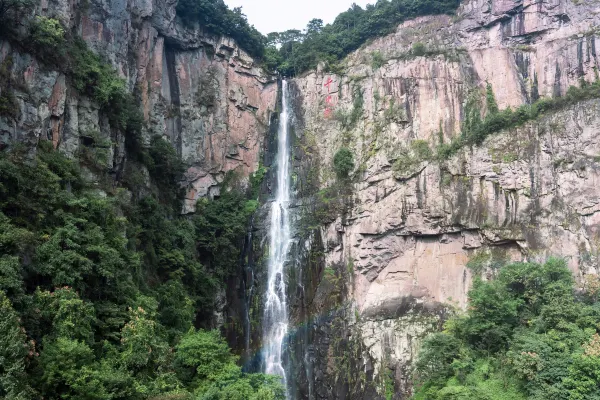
{"x":275,"y":321}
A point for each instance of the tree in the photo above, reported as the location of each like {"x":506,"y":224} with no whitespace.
{"x":314,"y":27}
{"x":584,"y":374}
{"x":14,"y":351}
{"x":203,"y":360}
{"x":343,"y":162}
{"x":525,"y":335}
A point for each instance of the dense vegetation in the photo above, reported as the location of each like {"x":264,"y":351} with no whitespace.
{"x":301,"y":51}
{"x":527,"y":334}
{"x":294,"y":51}
{"x":216,"y":18}
{"x":475,"y":128}
{"x":343,"y":162}
{"x":104,"y":286}
{"x":100,"y":296}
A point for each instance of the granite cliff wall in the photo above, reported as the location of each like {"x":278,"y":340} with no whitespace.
{"x":202,"y":93}
{"x":408,"y":223}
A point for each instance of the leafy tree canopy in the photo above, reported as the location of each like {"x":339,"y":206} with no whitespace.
{"x":294,"y":51}
{"x":526,"y":335}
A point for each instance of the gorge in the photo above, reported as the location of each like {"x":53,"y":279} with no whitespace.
{"x":167,"y":195}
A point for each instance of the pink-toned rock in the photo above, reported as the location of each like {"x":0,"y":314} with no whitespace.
{"x":56,"y":103}
{"x":525,"y":194}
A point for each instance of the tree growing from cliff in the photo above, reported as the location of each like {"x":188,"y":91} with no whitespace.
{"x":330,"y":43}
{"x":343,"y":163}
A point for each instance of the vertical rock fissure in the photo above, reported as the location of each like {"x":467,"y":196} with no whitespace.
{"x":275,"y":320}
{"x":175,"y":94}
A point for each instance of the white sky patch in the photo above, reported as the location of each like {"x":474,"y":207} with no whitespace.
{"x":280,"y":15}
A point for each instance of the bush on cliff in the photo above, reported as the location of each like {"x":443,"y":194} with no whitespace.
{"x":526,"y":335}
{"x":343,"y":162}
{"x":475,"y":129}
{"x":216,"y":18}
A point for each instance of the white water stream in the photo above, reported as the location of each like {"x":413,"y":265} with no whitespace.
{"x":276,"y":314}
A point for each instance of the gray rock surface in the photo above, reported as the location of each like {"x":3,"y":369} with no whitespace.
{"x":202,"y":93}
{"x":413,"y":224}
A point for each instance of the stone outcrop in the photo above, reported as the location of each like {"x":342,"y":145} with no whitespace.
{"x":412,"y":225}
{"x":202,"y":93}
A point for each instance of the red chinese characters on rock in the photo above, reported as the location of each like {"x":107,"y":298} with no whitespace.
{"x":329,"y":103}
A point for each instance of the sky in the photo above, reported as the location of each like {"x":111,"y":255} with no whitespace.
{"x":280,"y":15}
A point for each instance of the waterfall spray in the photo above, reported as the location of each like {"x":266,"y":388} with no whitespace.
{"x":276,"y":313}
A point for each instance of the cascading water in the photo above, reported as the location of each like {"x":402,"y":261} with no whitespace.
{"x":276,"y":314}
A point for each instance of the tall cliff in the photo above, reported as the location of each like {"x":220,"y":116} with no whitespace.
{"x":202,"y":93}
{"x":383,"y":256}
{"x":402,"y":238}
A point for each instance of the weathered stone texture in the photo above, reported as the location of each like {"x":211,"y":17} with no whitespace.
{"x":525,"y":194}
{"x":202,"y":93}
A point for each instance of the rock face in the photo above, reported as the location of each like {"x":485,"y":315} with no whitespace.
{"x":411,"y":225}
{"x":202,"y":93}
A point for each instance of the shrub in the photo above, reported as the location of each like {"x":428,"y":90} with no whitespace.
{"x":475,"y":130}
{"x":395,"y":112}
{"x":407,"y":158}
{"x":9,"y":106}
{"x":343,"y":163}
{"x":421,"y":149}
{"x":377,"y":60}
{"x":418,"y":49}
{"x":47,"y":33}
{"x":492,"y":105}
{"x":217,"y":18}
{"x":525,"y":335}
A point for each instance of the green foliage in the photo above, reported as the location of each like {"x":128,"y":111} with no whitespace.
{"x":94,"y":151}
{"x":47,"y":33}
{"x":421,"y":149}
{"x":475,"y":130}
{"x":407,"y":158}
{"x":104,"y":287}
{"x":9,"y":106}
{"x":98,"y":289}
{"x":525,"y":335}
{"x":203,"y":360}
{"x":349,"y":119}
{"x":480,"y":260}
{"x":11,"y":11}
{"x":60,"y":50}
{"x":208,"y":89}
{"x":220,"y":228}
{"x":92,"y":77}
{"x":351,"y":29}
{"x":13,"y":354}
{"x":490,"y":99}
{"x":202,"y":356}
{"x":217,"y":18}
{"x":394,"y":112}
{"x":256,"y":180}
{"x":418,"y":49}
{"x":377,"y":60}
{"x":343,"y":163}
{"x":166,"y":169}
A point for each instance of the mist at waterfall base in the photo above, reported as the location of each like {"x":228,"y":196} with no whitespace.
{"x":275,"y":320}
